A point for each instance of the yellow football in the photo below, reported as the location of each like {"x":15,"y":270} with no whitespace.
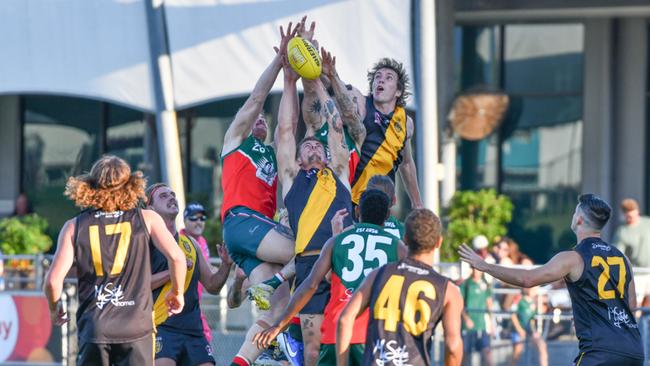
{"x":304,"y":58}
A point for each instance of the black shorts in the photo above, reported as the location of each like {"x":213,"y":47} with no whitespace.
{"x":139,"y":352}
{"x":605,"y":358}
{"x":318,"y":302}
{"x":183,"y":348}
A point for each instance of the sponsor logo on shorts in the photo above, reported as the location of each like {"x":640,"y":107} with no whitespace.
{"x":110,"y":294}
{"x":208,"y":349}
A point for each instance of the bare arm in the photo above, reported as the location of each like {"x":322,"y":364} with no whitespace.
{"x":213,"y":281}
{"x":300,"y":297}
{"x":335,"y":138}
{"x":453,"y":307}
{"x":165,"y":242}
{"x":563,"y":264}
{"x":407,"y":169}
{"x":355,"y":307}
{"x":311,"y":109}
{"x":285,"y":138}
{"x":247,"y":114}
{"x":63,"y":259}
{"x":345,"y":100}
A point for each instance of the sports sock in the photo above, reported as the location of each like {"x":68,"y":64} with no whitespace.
{"x":275,"y":281}
{"x":239,"y":361}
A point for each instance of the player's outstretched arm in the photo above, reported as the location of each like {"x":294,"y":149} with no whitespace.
{"x":164,"y":241}
{"x":453,"y":307}
{"x":357,"y":305}
{"x":63,"y":259}
{"x":247,"y":114}
{"x":568,"y":263}
{"x":300,"y":297}
{"x":214,"y":281}
{"x":285,"y":138}
{"x":346,"y":100}
{"x":407,"y":169}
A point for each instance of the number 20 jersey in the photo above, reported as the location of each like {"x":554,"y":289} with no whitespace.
{"x":112,"y":258}
{"x":406,"y":304}
{"x":602,"y":317}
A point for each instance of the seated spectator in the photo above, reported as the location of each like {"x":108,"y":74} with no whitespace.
{"x":22,"y":206}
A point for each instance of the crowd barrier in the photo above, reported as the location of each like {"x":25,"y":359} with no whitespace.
{"x":28,"y":339}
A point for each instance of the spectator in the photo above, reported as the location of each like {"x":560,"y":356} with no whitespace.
{"x":480,"y":244}
{"x":194,"y":217}
{"x":633,"y":237}
{"x":477,"y":296}
{"x":523,"y":321}
{"x":23,"y":207}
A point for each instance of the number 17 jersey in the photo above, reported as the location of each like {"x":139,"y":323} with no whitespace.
{"x":356,"y":252}
{"x":601,"y":313}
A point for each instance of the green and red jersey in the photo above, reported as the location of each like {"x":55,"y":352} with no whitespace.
{"x":250,"y":178}
{"x":355,"y":253}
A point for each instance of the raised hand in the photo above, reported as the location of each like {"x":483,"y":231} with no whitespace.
{"x":302,"y":30}
{"x":290,"y":75}
{"x":468,"y":255}
{"x":223,"y":254}
{"x":329,"y":63}
{"x":285,"y":38}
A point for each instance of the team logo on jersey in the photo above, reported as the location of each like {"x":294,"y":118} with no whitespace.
{"x":159,"y":344}
{"x":265,"y":171}
{"x":187,"y":247}
{"x":398,"y":126}
{"x":110,"y":294}
{"x":390,"y":352}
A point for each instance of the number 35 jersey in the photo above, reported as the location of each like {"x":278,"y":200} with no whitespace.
{"x":356,"y":252}
{"x":406,"y":304}
{"x":601,"y":313}
{"x":113,"y":267}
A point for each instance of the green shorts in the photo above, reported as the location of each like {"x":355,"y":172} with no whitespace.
{"x":327,"y":356}
{"x":243,"y":231}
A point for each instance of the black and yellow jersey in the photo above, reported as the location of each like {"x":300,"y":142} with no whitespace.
{"x":111,"y":253}
{"x":601,"y":311}
{"x":381,"y":152}
{"x":312,"y":201}
{"x":406,"y":304}
{"x":188,"y":321}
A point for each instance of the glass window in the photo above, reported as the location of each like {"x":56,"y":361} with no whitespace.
{"x":125,"y":136}
{"x":61,"y":136}
{"x":542,"y":138}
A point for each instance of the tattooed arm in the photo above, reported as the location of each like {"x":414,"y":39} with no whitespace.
{"x":346,"y":99}
{"x":311,"y":109}
{"x":335,"y":138}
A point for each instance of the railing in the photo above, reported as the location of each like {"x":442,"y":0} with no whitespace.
{"x":229,"y":325}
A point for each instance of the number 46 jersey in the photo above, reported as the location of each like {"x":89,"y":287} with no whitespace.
{"x":601,"y":313}
{"x":114,"y":271}
{"x":406,"y":304}
{"x":356,"y":252}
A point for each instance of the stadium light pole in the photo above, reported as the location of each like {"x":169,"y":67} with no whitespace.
{"x":169,"y":148}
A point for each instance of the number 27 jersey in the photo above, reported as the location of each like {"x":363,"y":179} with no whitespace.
{"x":601,"y":313}
{"x":406,"y":304}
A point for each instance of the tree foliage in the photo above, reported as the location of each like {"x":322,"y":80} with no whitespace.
{"x":473,"y":213}
{"x":24,"y":235}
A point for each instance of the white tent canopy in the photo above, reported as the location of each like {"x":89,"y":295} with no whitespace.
{"x":220,"y":48}
{"x":95,"y":49}
{"x":100,"y":49}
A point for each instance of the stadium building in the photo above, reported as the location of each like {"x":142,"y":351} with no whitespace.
{"x":158,"y":84}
